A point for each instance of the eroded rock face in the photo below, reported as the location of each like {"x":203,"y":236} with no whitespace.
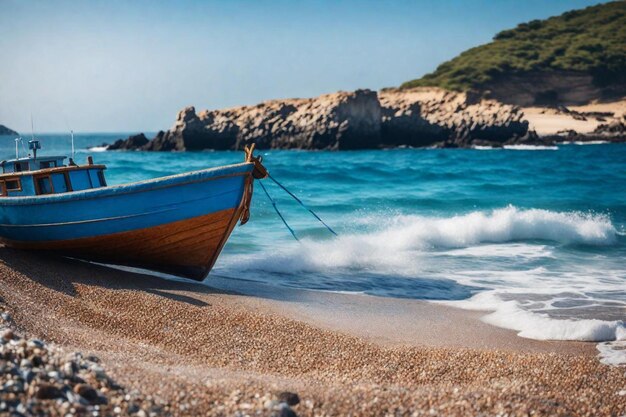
{"x":361,"y":119}
{"x":550,"y":88}
{"x":436,"y":117}
{"x":132,"y":142}
{"x":613,"y":131}
{"x":344,"y":120}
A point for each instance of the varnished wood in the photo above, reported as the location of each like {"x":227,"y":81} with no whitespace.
{"x":52,"y":170}
{"x":188,"y":248}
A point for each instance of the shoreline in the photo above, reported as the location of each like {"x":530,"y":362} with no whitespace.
{"x":211,"y":351}
{"x":392,"y":321}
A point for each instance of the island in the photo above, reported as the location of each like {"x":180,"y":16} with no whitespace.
{"x":5,"y":131}
{"x":543,"y":82}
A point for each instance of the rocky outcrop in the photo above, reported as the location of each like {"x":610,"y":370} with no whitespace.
{"x":613,"y":131}
{"x":5,"y":131}
{"x":344,"y":120}
{"x":132,"y":142}
{"x":436,"y":117}
{"x":361,"y":119}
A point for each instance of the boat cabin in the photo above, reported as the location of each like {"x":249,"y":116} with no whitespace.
{"x":41,"y":175}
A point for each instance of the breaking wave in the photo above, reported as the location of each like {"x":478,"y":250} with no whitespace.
{"x":502,"y":261}
{"x":393,"y":243}
{"x":531,"y":147}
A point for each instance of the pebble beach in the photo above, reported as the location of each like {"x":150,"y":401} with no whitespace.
{"x":110,"y":342}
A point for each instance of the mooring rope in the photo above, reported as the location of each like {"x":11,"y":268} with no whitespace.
{"x":302,"y":204}
{"x":278,"y":212}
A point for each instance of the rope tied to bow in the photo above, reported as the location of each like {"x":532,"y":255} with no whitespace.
{"x":260,"y":172}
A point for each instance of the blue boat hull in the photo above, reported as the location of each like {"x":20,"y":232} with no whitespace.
{"x":175,"y":224}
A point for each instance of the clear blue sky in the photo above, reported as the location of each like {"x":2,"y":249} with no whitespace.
{"x":119,"y":66}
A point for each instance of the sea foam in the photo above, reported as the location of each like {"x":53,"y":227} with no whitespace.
{"x":393,"y":243}
{"x":507,"y":261}
{"x":538,"y":325}
{"x":531,"y":147}
{"x":97,"y":149}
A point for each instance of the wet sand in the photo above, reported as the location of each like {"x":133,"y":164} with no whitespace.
{"x":210,"y":351}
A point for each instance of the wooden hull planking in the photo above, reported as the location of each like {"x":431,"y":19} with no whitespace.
{"x":176,"y":225}
{"x":187,"y":248}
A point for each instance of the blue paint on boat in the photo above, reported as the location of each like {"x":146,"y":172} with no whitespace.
{"x":176,"y":224}
{"x":122,"y":208}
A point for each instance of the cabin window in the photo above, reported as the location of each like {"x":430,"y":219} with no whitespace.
{"x":47,"y":164}
{"x":21,"y":166}
{"x":3,"y":191}
{"x":103,"y":182}
{"x":44,"y":185}
{"x":13,"y":185}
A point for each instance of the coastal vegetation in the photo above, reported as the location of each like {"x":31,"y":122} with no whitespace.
{"x":590,"y":41}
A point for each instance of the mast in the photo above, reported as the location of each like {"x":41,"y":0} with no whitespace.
{"x":17,"y":148}
{"x":73,"y":151}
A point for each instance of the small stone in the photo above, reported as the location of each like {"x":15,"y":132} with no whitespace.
{"x":14,"y":386}
{"x":70,"y":368}
{"x":8,"y":335}
{"x":269,"y":404}
{"x":99,"y":373}
{"x":291,"y":398}
{"x":36,"y":360}
{"x":47,"y":392}
{"x":25,"y":363}
{"x":27,"y":375}
{"x":92,"y":358}
{"x":287,"y":412}
{"x":36,"y":343}
{"x":87,"y":392}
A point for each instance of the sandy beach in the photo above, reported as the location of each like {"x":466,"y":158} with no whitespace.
{"x":199,"y":350}
{"x":550,"y":121}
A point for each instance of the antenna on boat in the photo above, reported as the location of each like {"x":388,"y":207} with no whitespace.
{"x":71,"y":136}
{"x":32,"y":128}
{"x":17,"y":148}
{"x":73,"y":151}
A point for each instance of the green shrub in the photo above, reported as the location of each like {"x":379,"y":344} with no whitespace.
{"x":591,"y":40}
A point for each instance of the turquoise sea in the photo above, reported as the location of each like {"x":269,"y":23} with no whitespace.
{"x":535,"y":235}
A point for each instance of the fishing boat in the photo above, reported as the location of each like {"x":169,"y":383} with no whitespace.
{"x":176,"y":224}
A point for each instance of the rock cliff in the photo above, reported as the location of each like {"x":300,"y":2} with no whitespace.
{"x":344,"y":120}
{"x":436,"y":117}
{"x":6,"y":131}
{"x":361,"y":119}
{"x":133,"y":142}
